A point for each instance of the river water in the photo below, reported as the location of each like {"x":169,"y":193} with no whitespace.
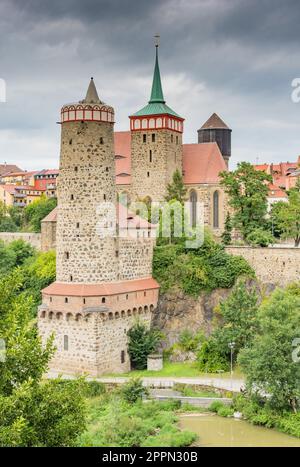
{"x":216,"y":431}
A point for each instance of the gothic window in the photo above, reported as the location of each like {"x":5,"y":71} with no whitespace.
{"x":66,"y":342}
{"x":193,"y":202}
{"x":216,"y":210}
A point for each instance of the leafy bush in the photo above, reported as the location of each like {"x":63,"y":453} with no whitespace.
{"x":215,"y":406}
{"x":189,"y":341}
{"x":225,"y":411}
{"x":142,"y":342}
{"x":195,"y":270}
{"x":134,"y":390}
{"x":260,"y":237}
{"x":94,"y":389}
{"x":210,"y":359}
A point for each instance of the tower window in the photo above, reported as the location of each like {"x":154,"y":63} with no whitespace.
{"x":76,"y":168}
{"x":117,"y":254}
{"x":107,"y":169}
{"x":66,"y":342}
{"x":150,"y":155}
{"x":71,"y":278}
{"x":148,"y":174}
{"x":50,"y":299}
{"x":101,"y":141}
{"x":66,"y":300}
{"x":176,"y":139}
{"x":77,"y":225}
{"x":67,"y":255}
{"x":153,"y":137}
{"x":122,"y":356}
{"x":103,"y":300}
{"x":72,"y":197}
{"x":84,"y":301}
{"x":144,"y":138}
{"x":104,"y":197}
{"x":71,"y":141}
{"x":171,"y":138}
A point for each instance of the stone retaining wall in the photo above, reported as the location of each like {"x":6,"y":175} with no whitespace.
{"x":33,"y":238}
{"x":273,"y":265}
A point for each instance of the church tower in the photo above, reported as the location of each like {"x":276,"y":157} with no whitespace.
{"x":156,"y":143}
{"x":103,"y":279}
{"x":216,"y":130}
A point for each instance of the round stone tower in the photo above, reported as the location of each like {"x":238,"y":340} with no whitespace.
{"x":86,"y":182}
{"x":215,"y":130}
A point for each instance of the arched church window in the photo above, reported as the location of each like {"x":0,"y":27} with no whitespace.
{"x":193,"y":201}
{"x":216,"y":210}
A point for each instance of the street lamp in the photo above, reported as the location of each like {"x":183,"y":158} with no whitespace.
{"x":231,"y":346}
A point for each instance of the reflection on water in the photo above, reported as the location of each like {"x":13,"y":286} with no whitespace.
{"x":218,"y":431}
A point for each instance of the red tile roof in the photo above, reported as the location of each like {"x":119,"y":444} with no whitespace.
{"x":52,"y":216}
{"x":276,"y":192}
{"x":202,"y":163}
{"x":96,"y":290}
{"x":6,"y":168}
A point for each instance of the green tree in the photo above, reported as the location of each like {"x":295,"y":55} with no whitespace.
{"x":21,"y":250}
{"x":275,"y":223}
{"x":226,"y":234}
{"x":176,"y":189}
{"x":7,"y":259}
{"x":35,"y":212}
{"x":238,"y":314}
{"x":134,"y":390}
{"x":141,"y":343}
{"x":268,"y":363}
{"x":287,"y":216}
{"x":260,"y":237}
{"x":32,"y":412}
{"x":248,"y":191}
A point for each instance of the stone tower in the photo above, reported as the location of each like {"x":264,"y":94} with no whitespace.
{"x":215,"y":130}
{"x":86,"y":181}
{"x":156,"y":144}
{"x":103,"y":281}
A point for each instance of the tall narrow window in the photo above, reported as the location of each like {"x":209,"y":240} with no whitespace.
{"x":101,"y":141}
{"x":148,"y":174}
{"x":153,"y":137}
{"x":144,"y":138}
{"x":150,"y":155}
{"x":193,"y":201}
{"x":66,"y":342}
{"x":216,"y":210}
{"x":122,"y":356}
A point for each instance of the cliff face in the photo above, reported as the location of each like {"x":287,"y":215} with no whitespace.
{"x":176,"y":312}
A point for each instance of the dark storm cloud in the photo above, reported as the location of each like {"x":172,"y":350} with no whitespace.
{"x":236,"y":57}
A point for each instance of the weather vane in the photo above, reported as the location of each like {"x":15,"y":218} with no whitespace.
{"x":157,"y":38}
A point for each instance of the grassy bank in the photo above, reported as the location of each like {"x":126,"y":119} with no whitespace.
{"x":114,"y":422}
{"x":180,"y":369}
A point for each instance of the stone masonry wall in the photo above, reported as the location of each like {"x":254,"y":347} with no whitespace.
{"x":135,"y":258}
{"x":85,"y":182}
{"x":48,"y":236}
{"x":279,"y":266}
{"x":33,"y":238}
{"x":150,"y":177}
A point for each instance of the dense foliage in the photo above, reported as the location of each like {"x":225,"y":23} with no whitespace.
{"x":286,"y":216}
{"x":248,"y":191}
{"x":194,"y":270}
{"x":238,"y":318}
{"x":27,"y":219}
{"x":115,"y":422}
{"x":226,"y":234}
{"x":176,"y":190}
{"x":141,"y":343}
{"x":260,"y":237}
{"x":268,"y":363}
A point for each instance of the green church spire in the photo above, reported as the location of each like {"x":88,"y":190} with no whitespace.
{"x":156,"y":91}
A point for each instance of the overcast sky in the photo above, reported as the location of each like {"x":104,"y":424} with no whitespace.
{"x":234,"y":57}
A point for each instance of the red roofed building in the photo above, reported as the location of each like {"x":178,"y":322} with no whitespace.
{"x":284,"y":174}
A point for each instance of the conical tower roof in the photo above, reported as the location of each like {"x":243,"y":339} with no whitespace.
{"x":214,"y":122}
{"x":92,"y":94}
